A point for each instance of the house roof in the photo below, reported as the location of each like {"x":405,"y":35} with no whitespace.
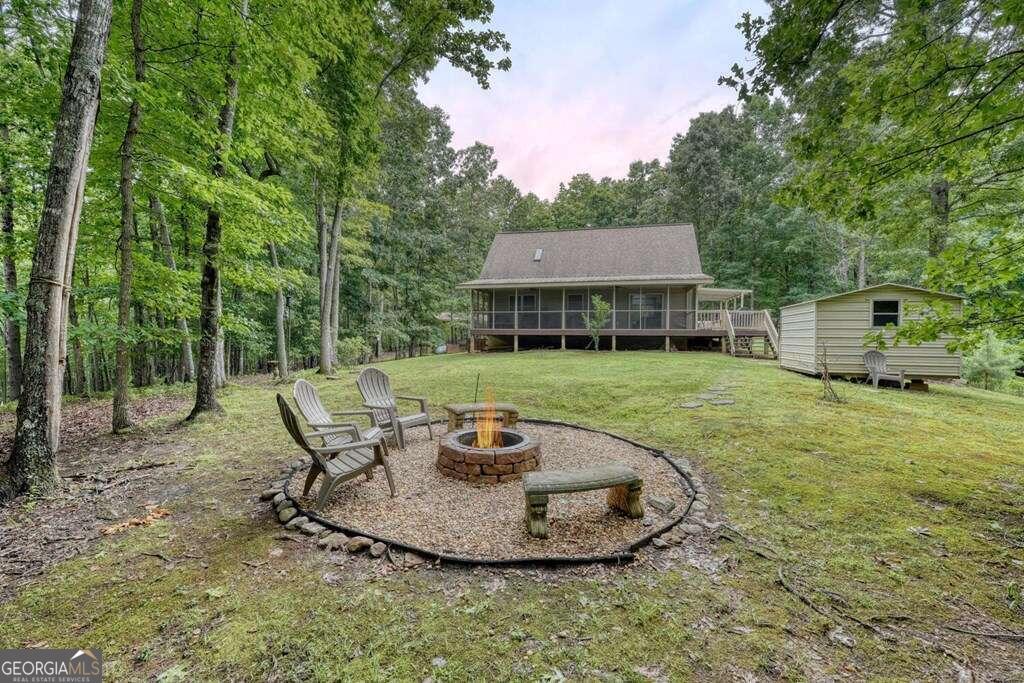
{"x":897,"y":285}
{"x":643,"y":253}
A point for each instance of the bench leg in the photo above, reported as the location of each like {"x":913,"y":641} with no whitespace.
{"x":537,"y":516}
{"x":627,"y":499}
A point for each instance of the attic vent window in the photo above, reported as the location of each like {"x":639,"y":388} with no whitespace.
{"x":537,"y":254}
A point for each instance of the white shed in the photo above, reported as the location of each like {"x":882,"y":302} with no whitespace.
{"x":838,"y":324}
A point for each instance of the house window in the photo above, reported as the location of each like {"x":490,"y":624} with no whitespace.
{"x":575,"y":302}
{"x":884,"y":312}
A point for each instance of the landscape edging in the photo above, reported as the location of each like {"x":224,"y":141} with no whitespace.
{"x":697,"y":494}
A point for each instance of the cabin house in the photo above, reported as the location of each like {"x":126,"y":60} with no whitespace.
{"x":838,"y":324}
{"x":536,"y":289}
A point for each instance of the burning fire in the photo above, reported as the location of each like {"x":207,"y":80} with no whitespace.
{"x":488,"y":426}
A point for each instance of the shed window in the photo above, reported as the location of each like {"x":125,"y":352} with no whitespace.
{"x":884,"y":312}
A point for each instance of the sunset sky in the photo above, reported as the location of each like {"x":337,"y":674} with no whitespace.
{"x":594,"y":85}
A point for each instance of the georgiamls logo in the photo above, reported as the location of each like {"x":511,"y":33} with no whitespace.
{"x":51,"y":666}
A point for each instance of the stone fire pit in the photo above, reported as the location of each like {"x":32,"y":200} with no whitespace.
{"x":459,"y":459}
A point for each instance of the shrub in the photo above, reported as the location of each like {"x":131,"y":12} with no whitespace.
{"x":352,"y":350}
{"x":992,"y":364}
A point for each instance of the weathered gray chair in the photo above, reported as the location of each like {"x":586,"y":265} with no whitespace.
{"x":307,"y":398}
{"x":337,"y":462}
{"x":875,"y":363}
{"x":375,"y":389}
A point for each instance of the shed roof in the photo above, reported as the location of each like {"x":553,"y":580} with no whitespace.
{"x":897,"y":285}
{"x":643,"y":253}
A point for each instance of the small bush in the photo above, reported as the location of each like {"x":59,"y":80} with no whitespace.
{"x":992,"y":364}
{"x":352,"y":350}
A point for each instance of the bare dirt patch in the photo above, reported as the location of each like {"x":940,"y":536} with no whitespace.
{"x":446,"y":515}
{"x":107,"y":479}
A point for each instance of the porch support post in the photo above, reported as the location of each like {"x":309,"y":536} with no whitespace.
{"x":472,"y":343}
{"x":563,"y":316}
{"x":515,"y":309}
{"x":563,"y":342}
{"x":613,"y":343}
{"x":515,"y":343}
{"x":667,"y":347}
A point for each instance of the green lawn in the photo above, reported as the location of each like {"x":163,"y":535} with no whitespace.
{"x":898,"y":510}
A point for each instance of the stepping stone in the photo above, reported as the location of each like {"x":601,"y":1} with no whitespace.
{"x":661,"y":503}
{"x":691,"y":404}
{"x":717,"y":389}
{"x":722,"y":402}
{"x":358,"y":543}
{"x":706,"y":397}
{"x":333,"y":541}
{"x":296,"y":522}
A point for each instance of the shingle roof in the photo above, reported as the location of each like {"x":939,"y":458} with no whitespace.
{"x":644,"y":253}
{"x":896,"y":285}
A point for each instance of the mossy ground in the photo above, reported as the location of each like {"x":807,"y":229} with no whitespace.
{"x":898,"y":509}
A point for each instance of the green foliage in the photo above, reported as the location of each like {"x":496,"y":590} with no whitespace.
{"x":596,"y":318}
{"x":992,"y":363}
{"x":352,"y":350}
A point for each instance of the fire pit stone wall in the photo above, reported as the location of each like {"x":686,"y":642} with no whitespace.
{"x":457,"y":458}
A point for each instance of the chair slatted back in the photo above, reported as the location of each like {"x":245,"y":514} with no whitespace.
{"x":375,"y":387}
{"x":875,"y":362}
{"x":307,"y":398}
{"x":291,"y":423}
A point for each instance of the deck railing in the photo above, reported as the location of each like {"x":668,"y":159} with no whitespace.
{"x":621,"y":319}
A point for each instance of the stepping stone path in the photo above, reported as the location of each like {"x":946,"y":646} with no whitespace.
{"x":722,"y":402}
{"x":715,"y":396}
{"x":691,"y":404}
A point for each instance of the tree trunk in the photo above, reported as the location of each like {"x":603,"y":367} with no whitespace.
{"x":12,"y":330}
{"x":210,"y":340}
{"x":282,"y":340}
{"x":81,"y":379}
{"x":328,"y":272}
{"x":939,"y":232}
{"x":187,"y":363}
{"x":122,"y":420}
{"x":220,"y":371}
{"x":37,"y":435}
{"x":862,"y":265}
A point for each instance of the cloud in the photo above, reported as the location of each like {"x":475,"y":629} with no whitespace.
{"x":594,"y":85}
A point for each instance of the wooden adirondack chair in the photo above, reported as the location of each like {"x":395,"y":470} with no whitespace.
{"x":340,"y":461}
{"x":307,"y":398}
{"x":378,"y":397}
{"x":875,"y":362}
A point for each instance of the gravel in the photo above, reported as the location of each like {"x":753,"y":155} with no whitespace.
{"x":446,"y":515}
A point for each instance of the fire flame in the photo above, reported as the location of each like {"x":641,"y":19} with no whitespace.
{"x":488,"y":426}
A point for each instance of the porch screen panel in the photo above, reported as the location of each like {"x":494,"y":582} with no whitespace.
{"x":606,"y":294}
{"x":575,"y":309}
{"x":551,"y":308}
{"x":529,"y":303}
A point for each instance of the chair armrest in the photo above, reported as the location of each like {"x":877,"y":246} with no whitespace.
{"x":367,"y":413}
{"x":321,"y":426}
{"x":419,"y":399}
{"x":341,"y":448}
{"x":351,"y":429}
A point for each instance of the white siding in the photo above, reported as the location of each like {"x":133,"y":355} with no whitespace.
{"x":843,"y":321}
{"x":796,"y":337}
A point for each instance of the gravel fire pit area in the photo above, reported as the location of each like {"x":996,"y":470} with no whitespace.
{"x":445,"y":515}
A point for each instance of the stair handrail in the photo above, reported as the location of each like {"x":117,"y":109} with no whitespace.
{"x":773,"y":332}
{"x":729,"y":328}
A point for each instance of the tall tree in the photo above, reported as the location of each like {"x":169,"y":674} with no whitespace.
{"x":36,"y":438}
{"x":125,"y":244}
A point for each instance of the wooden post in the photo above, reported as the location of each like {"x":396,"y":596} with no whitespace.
{"x":515,"y":343}
{"x":667,"y":346}
{"x":472,"y":343}
{"x":613,"y":342}
{"x":515,"y":309}
{"x":563,"y":317}
{"x":563,"y":342}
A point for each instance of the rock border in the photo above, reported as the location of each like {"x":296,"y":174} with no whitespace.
{"x":334,"y":535}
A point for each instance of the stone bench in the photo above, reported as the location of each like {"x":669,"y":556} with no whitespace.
{"x":623,"y":484}
{"x":457,"y":413}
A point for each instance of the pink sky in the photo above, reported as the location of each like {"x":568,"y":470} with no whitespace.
{"x":594,"y":85}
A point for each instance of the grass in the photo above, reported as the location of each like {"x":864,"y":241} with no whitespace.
{"x":897,"y":508}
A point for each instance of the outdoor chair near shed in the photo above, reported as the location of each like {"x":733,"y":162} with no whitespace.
{"x":375,"y":389}
{"x":337,"y":462}
{"x":875,"y":363}
{"x":307,"y":398}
